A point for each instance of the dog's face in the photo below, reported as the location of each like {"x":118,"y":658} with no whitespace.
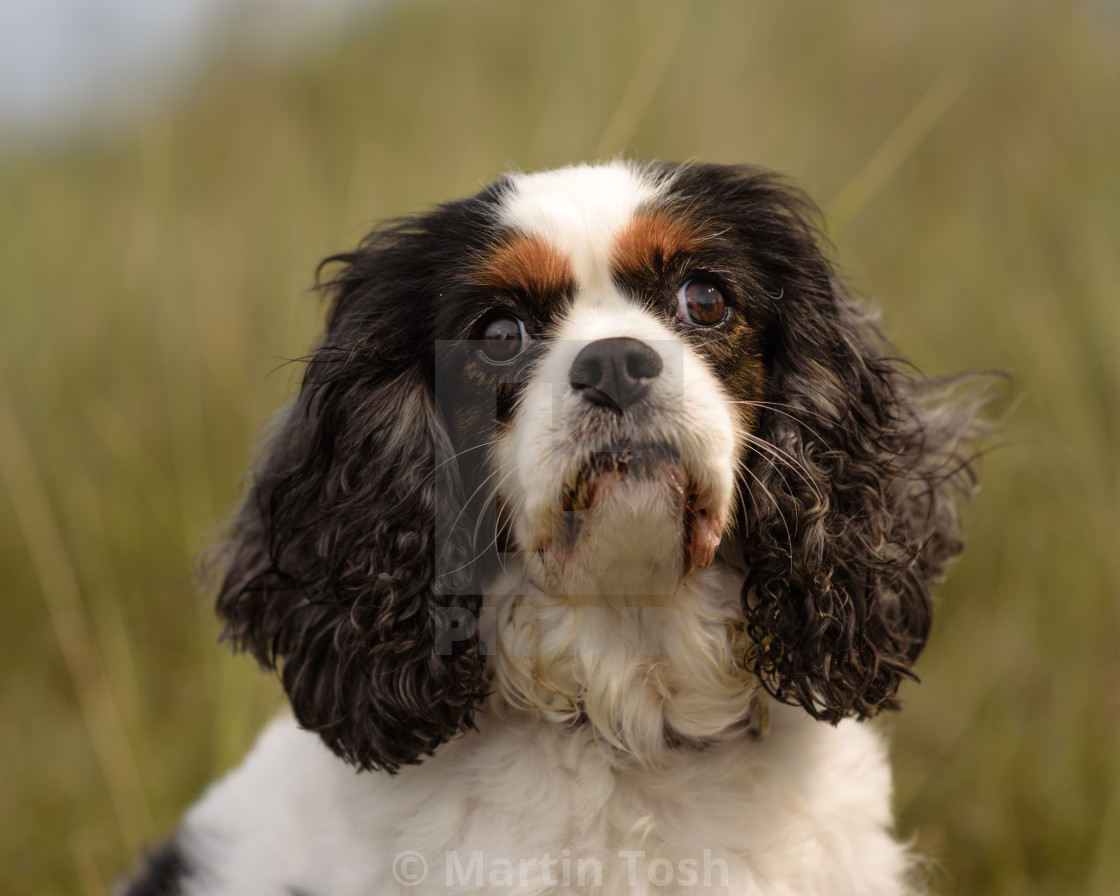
{"x":603,"y":371}
{"x":610,"y":309}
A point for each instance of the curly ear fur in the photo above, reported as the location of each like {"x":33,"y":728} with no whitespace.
{"x":332,"y":567}
{"x":332,"y":564}
{"x":844,"y":541}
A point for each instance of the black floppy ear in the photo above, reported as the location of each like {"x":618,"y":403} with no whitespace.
{"x":332,"y":565}
{"x":853,"y":517}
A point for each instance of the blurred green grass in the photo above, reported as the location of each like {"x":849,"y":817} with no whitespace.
{"x":154,"y":282}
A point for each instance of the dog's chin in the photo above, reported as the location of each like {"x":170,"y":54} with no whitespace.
{"x":631,"y":521}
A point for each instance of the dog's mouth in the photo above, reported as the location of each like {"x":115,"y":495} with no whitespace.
{"x":622,"y":479}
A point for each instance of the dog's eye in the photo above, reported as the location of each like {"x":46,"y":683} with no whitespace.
{"x":504,"y":338}
{"x":701,"y":303}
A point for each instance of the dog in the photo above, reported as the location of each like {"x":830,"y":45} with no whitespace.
{"x":602,"y":521}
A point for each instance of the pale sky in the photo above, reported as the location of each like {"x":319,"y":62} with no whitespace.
{"x":62,"y":60}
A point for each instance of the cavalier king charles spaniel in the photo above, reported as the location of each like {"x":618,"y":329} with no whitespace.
{"x":602,"y":520}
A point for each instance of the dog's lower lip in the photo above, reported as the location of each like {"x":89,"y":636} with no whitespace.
{"x":609,"y":465}
{"x":699,"y":500}
{"x":605,"y":470}
{"x":701,"y":539}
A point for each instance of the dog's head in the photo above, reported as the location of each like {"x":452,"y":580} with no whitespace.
{"x":620,"y":374}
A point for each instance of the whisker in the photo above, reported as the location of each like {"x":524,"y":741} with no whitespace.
{"x":493,"y":494}
{"x":497,"y":529}
{"x":432,"y":472}
{"x":467,"y":503}
{"x":777,"y":407}
{"x":478,"y":523}
{"x":795,"y":464}
{"x":777,"y":506}
{"x":743,"y":466}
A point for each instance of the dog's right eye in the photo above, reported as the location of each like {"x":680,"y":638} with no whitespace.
{"x":701,"y":303}
{"x":504,"y":338}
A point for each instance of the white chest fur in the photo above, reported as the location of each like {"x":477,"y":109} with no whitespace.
{"x":537,"y":808}
{"x":570,"y":783}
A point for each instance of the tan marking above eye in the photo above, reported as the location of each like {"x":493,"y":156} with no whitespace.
{"x":524,"y":263}
{"x":650,"y":238}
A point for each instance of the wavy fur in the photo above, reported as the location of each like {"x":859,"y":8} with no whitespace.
{"x":845,"y":533}
{"x":410,"y":489}
{"x":332,"y":561}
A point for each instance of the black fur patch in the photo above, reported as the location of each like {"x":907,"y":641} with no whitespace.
{"x":847,"y":501}
{"x":161,"y":873}
{"x":348,"y":553}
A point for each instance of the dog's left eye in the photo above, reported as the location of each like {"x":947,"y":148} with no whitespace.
{"x":504,"y":338}
{"x":700,"y":302}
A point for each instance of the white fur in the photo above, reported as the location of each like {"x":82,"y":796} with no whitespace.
{"x":804,"y":809}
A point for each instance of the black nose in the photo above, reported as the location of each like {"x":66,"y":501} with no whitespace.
{"x":614,"y":373}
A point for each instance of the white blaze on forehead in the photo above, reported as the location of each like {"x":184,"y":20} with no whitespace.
{"x":579,"y":210}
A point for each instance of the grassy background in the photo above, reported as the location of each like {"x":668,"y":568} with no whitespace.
{"x":154,"y":280}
